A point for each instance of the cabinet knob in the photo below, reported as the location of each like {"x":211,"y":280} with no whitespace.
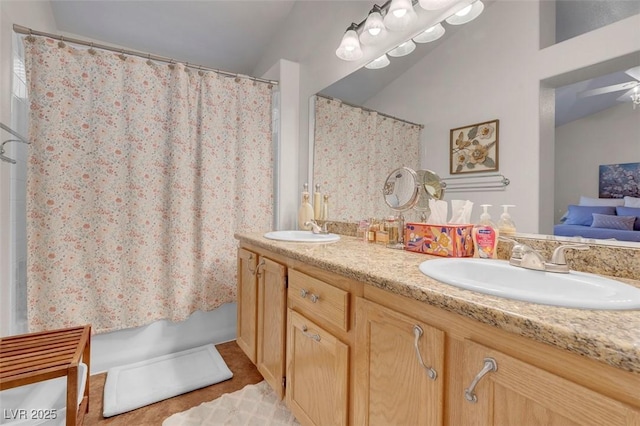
{"x":303,"y":293}
{"x":417,"y":332}
{"x":314,"y":298}
{"x":489,"y":366}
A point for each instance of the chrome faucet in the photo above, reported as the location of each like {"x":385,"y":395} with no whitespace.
{"x":527,"y":257}
{"x":315,"y":228}
{"x":558,"y":263}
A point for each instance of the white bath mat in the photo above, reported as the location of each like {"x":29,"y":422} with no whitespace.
{"x":142,"y":383}
{"x":252,"y":405}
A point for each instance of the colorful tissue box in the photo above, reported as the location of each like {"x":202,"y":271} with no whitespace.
{"x":439,"y":240}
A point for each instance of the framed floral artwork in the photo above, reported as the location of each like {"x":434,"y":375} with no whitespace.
{"x":474,"y":148}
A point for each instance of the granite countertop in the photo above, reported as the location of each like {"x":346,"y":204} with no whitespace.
{"x":612,"y":337}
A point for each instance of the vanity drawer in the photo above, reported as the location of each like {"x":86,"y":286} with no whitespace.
{"x":319,"y":299}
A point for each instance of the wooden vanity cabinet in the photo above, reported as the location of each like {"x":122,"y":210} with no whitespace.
{"x":533,"y":383}
{"x":318,"y":353}
{"x":261,"y":320}
{"x":247,"y":306}
{"x":517,"y":393}
{"x":352,"y":357}
{"x":317,"y":373}
{"x":399,"y":368}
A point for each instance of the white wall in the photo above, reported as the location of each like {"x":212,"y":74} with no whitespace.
{"x":34,"y":14}
{"x":611,"y":136}
{"x":483,"y":72}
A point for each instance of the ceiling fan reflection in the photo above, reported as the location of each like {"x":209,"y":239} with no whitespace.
{"x":632,"y":88}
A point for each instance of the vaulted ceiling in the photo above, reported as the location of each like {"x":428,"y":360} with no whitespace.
{"x":234,"y":35}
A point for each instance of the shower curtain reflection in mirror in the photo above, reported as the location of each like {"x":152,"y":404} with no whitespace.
{"x":138,"y":175}
{"x":354,"y":151}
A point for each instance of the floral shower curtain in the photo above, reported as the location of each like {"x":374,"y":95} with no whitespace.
{"x":355,"y":150}
{"x":138,"y":175}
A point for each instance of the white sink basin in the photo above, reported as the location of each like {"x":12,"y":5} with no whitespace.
{"x":302,"y":236}
{"x":498,"y":278}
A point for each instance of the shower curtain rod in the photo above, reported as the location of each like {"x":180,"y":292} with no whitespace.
{"x":28,"y":31}
{"x":21,"y":139}
{"x":369,"y":110}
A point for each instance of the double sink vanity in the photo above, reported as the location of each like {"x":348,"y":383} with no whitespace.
{"x":355,"y":333}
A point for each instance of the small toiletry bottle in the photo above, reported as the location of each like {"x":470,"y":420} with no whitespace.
{"x":317,"y":203}
{"x":485,"y":236}
{"x":373,"y":227}
{"x":382,"y":234}
{"x":325,"y":207}
{"x":305,"y":213}
{"x":506,"y":225}
{"x":391,"y":225}
{"x":363,"y":230}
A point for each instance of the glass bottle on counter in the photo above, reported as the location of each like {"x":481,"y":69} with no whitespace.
{"x":363,"y":230}
{"x":393,"y":230}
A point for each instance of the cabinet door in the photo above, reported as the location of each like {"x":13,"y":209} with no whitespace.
{"x":393,"y":361}
{"x":317,"y":373}
{"x":247,"y":294}
{"x":272,"y":311}
{"x":517,"y":393}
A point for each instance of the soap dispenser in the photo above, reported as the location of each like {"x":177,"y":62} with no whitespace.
{"x":317,"y":203}
{"x":305,"y":213}
{"x":485,"y":236}
{"x":506,"y":225}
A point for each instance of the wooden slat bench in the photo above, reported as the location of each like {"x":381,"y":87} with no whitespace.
{"x":35,"y":357}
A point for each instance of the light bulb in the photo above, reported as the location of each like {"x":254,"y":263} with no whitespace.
{"x":378,"y":63}
{"x":430,"y":34}
{"x":464,"y":11}
{"x":466,"y":14}
{"x":373,"y":30}
{"x":400,"y":15}
{"x":403,"y":49}
{"x":349,"y":49}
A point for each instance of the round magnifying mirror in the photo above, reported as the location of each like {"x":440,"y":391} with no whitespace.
{"x":401,"y":189}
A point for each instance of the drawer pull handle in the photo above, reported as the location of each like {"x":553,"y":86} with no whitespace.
{"x":489,"y":366}
{"x":253,"y":271}
{"x":314,"y":298}
{"x":303,"y":293}
{"x":417,"y":332}
{"x":259,"y":265}
{"x":315,"y":337}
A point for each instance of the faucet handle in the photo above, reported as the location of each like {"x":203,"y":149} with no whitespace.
{"x":557,"y":258}
{"x":325,"y":229}
{"x":315,"y":228}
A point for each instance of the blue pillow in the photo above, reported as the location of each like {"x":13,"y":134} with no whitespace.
{"x":608,"y":221}
{"x":583,"y":215}
{"x":630,"y":211}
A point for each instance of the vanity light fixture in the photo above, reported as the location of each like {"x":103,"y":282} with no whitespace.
{"x":374,"y":29}
{"x":378,"y":63}
{"x":466,"y":14}
{"x":430,"y":34}
{"x":349,"y":49}
{"x":400,"y":15}
{"x":635,"y":97}
{"x":403,"y":49}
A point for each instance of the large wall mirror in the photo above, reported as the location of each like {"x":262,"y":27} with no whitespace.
{"x":587,"y":124}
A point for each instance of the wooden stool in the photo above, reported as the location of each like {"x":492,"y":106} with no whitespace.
{"x":34,"y":357}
